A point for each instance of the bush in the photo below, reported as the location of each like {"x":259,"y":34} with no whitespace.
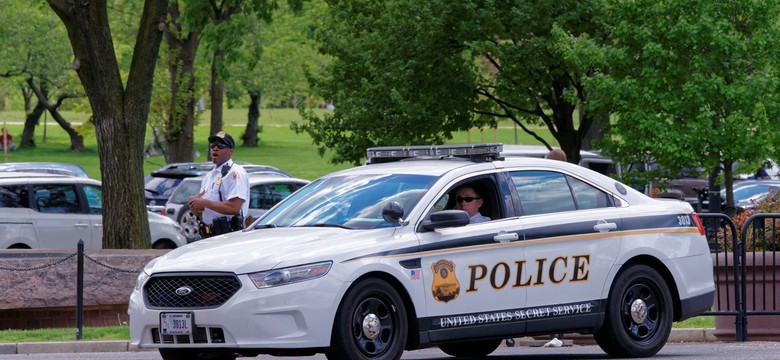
{"x":762,"y":234}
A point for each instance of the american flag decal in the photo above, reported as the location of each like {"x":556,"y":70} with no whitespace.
{"x":415,"y":274}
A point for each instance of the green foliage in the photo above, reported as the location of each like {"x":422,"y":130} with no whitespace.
{"x":691,"y":83}
{"x":41,"y":50}
{"x":415,"y":72}
{"x":276,"y":54}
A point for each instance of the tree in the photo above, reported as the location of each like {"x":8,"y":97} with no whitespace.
{"x":39,"y":62}
{"x":692,"y":83}
{"x":221,"y":26}
{"x":119,"y":111}
{"x":274,"y":59}
{"x":186,"y":21}
{"x":413,"y":72}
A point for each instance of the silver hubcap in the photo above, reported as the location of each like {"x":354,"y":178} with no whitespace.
{"x":371,"y":326}
{"x":638,"y":311}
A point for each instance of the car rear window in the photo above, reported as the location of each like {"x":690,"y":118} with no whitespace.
{"x":14,"y":196}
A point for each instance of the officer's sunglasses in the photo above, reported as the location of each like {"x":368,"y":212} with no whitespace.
{"x":467,"y":199}
{"x":221,"y":146}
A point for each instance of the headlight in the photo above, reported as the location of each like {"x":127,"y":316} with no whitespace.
{"x":139,"y":282}
{"x":276,"y":277}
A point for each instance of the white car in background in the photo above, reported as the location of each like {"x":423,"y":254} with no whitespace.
{"x":368,"y":262}
{"x":47,"y":211}
{"x":265,"y":191}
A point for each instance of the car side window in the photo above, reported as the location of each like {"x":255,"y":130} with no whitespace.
{"x":56,"y":199}
{"x":14,"y":196}
{"x":487,"y":201}
{"x":543,"y":192}
{"x":265,"y":196}
{"x":94,"y":199}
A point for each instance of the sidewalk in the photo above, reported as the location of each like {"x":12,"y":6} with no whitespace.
{"x":677,"y":335}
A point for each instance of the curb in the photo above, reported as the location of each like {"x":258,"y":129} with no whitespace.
{"x":677,"y":335}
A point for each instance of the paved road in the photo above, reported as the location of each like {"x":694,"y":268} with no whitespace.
{"x":672,"y":351}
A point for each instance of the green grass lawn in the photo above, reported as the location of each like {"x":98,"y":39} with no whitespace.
{"x":69,"y":334}
{"x":279,"y":146}
{"x":123,"y":332}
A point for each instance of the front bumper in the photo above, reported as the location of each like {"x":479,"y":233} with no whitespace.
{"x":291,"y":316}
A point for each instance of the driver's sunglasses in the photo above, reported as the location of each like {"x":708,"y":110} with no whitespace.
{"x":467,"y":199}
{"x":221,"y":146}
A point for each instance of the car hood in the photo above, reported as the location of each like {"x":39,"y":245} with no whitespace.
{"x":264,"y":249}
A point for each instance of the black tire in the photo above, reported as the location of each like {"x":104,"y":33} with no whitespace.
{"x":471,"y":349}
{"x":196,"y":354}
{"x":637,"y":335}
{"x":373,"y":303}
{"x":163,"y":244}
{"x":189,"y":223}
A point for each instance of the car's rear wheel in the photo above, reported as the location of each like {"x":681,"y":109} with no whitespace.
{"x":189,"y":223}
{"x":196,"y":354}
{"x":370,"y":323}
{"x":471,"y":349}
{"x":638,"y":316}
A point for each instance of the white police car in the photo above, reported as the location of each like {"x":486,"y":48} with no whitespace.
{"x":366,"y":262}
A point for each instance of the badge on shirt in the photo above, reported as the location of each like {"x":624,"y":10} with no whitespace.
{"x":219,"y":180}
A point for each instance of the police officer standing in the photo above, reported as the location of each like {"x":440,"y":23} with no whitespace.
{"x":223,"y":200}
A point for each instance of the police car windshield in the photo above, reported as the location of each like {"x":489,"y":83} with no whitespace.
{"x":353,"y":202}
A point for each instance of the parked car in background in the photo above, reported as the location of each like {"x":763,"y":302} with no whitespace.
{"x":45,"y":167}
{"x":265,"y":191}
{"x":747,"y":194}
{"x":589,"y":159}
{"x":47,"y":211}
{"x":161,"y":183}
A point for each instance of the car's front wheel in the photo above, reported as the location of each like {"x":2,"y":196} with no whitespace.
{"x":638,"y":316}
{"x":371,"y":323}
{"x":196,"y":354}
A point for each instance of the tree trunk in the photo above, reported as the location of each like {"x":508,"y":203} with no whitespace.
{"x":30,"y":122}
{"x":76,"y":140}
{"x":27,"y":95}
{"x":217,"y":93}
{"x":596,"y":130}
{"x":728,"y":182}
{"x":252,"y":125}
{"x":181,"y":116}
{"x":120,"y":114}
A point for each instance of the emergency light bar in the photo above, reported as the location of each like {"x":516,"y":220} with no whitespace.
{"x":476,"y":152}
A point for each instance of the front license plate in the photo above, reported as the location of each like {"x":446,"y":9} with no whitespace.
{"x":175,"y":323}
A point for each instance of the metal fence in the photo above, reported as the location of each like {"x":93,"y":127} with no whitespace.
{"x":744,"y":260}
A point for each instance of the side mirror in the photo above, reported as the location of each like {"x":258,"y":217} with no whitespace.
{"x":446,"y":218}
{"x":392,"y":212}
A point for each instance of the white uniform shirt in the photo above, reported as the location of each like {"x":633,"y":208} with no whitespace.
{"x":234,"y":184}
{"x":478,"y":218}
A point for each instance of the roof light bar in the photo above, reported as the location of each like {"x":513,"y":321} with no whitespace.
{"x":475,"y":152}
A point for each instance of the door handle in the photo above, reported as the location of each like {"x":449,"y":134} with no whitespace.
{"x":603,"y":226}
{"x":504,"y":237}
{"x":80,"y":225}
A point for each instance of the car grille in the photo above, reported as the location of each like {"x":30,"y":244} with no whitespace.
{"x":190,"y":291}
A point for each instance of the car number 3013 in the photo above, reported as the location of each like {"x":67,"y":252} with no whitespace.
{"x":684,"y":220}
{"x":176,"y":323}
